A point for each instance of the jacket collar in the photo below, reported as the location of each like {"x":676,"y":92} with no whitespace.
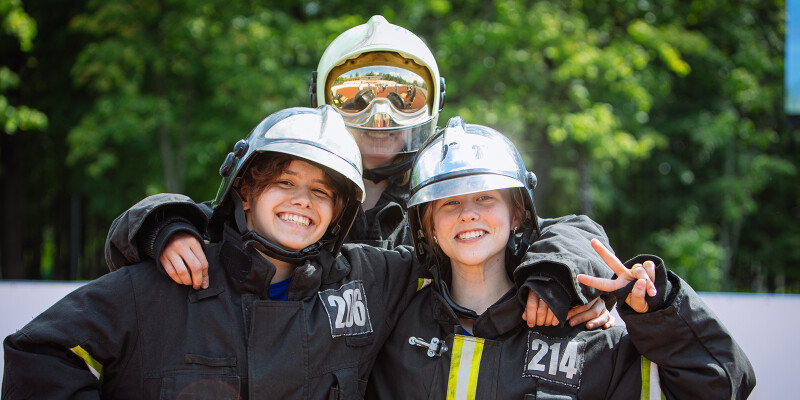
{"x":500,"y":318}
{"x":251,"y":272}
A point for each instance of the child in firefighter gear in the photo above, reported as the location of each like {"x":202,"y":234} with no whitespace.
{"x":459,"y":338}
{"x":169,"y":229}
{"x":290,"y":312}
{"x":288,"y":196}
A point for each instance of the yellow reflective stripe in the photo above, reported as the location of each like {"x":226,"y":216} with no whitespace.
{"x":94,"y":366}
{"x":422,"y":282}
{"x":455,"y":360}
{"x":474,"y":369}
{"x":651,"y":385}
{"x":645,"y":366}
{"x":464,"y":367}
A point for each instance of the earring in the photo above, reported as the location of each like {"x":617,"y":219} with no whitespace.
{"x":512,"y":240}
{"x":435,"y":240}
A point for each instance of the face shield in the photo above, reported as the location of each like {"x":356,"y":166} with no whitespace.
{"x":385,"y":101}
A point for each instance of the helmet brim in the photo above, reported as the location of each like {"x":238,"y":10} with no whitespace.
{"x":320,"y":156}
{"x":462,"y":185}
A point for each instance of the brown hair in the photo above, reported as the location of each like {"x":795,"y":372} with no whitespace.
{"x":426,"y":219}
{"x":265,"y":167}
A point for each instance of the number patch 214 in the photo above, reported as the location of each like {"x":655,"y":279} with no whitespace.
{"x":555,"y":359}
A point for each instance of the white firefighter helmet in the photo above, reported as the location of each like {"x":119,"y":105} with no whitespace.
{"x":385,"y":82}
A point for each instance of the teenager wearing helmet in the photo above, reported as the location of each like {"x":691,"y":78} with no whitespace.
{"x":390,"y":117}
{"x":288,"y":197}
{"x":471,"y":209}
{"x":290,"y":312}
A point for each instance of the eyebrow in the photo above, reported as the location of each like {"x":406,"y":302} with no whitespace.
{"x":325,"y":182}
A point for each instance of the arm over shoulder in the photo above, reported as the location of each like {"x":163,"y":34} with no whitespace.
{"x":554,"y":260}
{"x":131,"y":238}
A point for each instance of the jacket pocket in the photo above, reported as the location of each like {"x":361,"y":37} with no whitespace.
{"x":360,"y":340}
{"x":200,"y":385}
{"x":201,"y":377}
{"x":546,"y":394}
{"x":348,"y":385}
{"x":209,"y":361}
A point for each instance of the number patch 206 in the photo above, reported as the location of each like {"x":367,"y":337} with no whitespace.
{"x":555,"y":359}
{"x":347,"y":309}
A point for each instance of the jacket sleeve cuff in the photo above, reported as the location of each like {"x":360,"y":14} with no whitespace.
{"x":164,"y":233}
{"x":165,"y":215}
{"x":555,"y":295}
{"x":664,"y":288}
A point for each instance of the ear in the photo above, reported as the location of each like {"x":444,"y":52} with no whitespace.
{"x":516,"y":219}
{"x":246,"y":205}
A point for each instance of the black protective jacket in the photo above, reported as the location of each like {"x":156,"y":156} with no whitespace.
{"x":146,"y":337}
{"x":154,"y":339}
{"x":142,"y":231}
{"x":386,"y":224}
{"x":694,"y":353}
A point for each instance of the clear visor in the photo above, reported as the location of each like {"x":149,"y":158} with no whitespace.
{"x":386,"y":143}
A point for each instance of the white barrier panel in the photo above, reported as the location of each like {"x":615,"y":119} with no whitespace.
{"x":763,"y":325}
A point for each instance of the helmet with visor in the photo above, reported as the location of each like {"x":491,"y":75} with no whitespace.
{"x":384,"y":81}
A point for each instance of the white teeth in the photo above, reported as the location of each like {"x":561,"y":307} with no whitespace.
{"x":470,"y":235}
{"x":295,"y":219}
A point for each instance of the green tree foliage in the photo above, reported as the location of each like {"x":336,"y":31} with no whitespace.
{"x":662,"y":120}
{"x":18,"y":24}
{"x":16,"y":118}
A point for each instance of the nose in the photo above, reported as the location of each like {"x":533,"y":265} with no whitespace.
{"x":468,"y":214}
{"x":302,"y":197}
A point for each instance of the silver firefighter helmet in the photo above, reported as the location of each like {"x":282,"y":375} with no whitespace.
{"x":317,"y":135}
{"x":466,"y":158}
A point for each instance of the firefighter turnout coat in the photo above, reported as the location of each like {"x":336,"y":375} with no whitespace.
{"x":678,"y":349}
{"x":135,"y":334}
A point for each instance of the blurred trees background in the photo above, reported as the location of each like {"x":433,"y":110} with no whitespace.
{"x":661,"y":120}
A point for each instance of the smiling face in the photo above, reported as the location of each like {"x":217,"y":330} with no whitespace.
{"x":295,"y":207}
{"x":474,"y":228}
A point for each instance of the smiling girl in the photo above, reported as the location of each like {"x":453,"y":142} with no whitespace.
{"x":470,"y":213}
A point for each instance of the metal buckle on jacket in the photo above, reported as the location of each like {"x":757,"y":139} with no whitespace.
{"x":435,"y":347}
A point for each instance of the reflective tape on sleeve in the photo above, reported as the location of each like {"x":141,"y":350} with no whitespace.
{"x":94,"y":366}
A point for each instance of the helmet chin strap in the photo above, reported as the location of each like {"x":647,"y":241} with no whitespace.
{"x":379,"y":174}
{"x":258,"y":242}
